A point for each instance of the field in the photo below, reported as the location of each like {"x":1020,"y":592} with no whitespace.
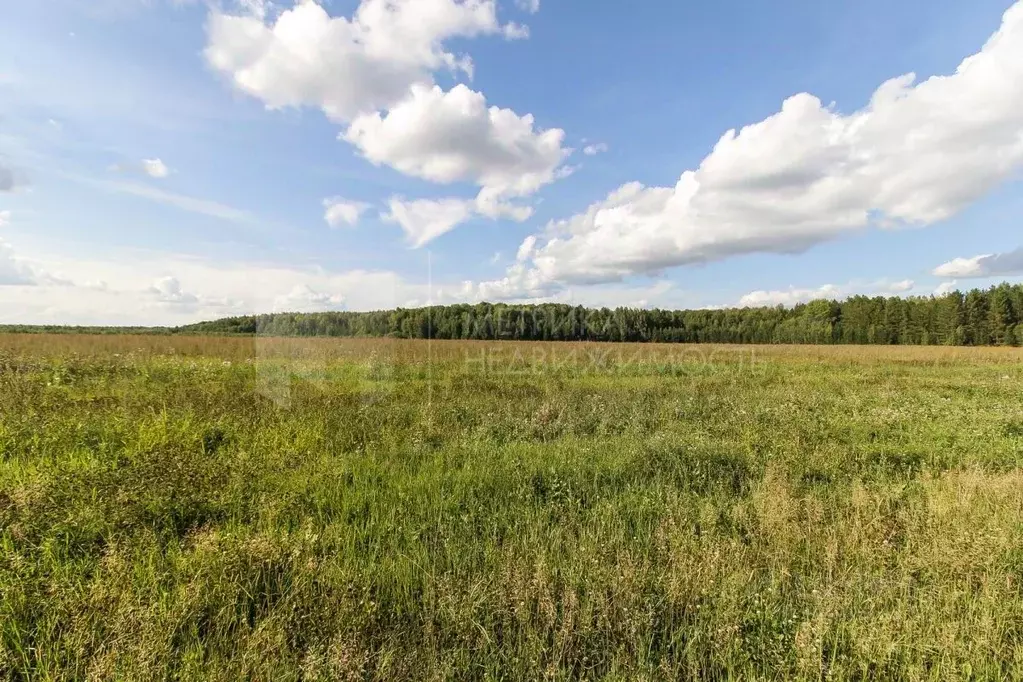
{"x":273,"y":509}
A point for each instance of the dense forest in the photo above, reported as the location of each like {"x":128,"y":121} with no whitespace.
{"x":979,"y":317}
{"x":67,"y":329}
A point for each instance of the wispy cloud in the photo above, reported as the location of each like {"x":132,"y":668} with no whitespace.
{"x":184,"y":202}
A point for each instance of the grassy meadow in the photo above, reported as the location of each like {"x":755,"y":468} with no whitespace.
{"x":203,"y":508}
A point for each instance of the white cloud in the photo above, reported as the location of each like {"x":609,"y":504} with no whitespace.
{"x":423,"y":220}
{"x":660,"y":293}
{"x":166,"y":293}
{"x":346,"y":66}
{"x":793,"y":295}
{"x":258,"y":8}
{"x":945,"y":288}
{"x":494,"y":208}
{"x":988,"y":265}
{"x":531,"y":6}
{"x":121,"y":288}
{"x":513,"y":31}
{"x":963,"y":267}
{"x":338,"y":211}
{"x":519,"y":282}
{"x":5,"y":218}
{"x":902,"y":286}
{"x":374,"y":72}
{"x":789,"y":297}
{"x":454,"y":136}
{"x":17,"y":271}
{"x":14,"y":271}
{"x":594,"y":149}
{"x":181,"y":201}
{"x":168,"y":290}
{"x":526,"y":248}
{"x":426,"y":219}
{"x":155,"y":168}
{"x":915,"y":155}
{"x":303,"y":299}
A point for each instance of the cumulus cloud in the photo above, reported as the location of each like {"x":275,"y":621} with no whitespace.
{"x":374,"y":73}
{"x":338,"y":211}
{"x":988,"y":265}
{"x":901,"y":286}
{"x":916,"y":154}
{"x":659,"y":293}
{"x":5,"y":218}
{"x":520,"y":282}
{"x":531,"y":6}
{"x":167,"y":293}
{"x":594,"y":149}
{"x":304,"y":299}
{"x":794,"y":295}
{"x":945,"y":288}
{"x":346,"y":66}
{"x":168,"y":290}
{"x":526,"y":248}
{"x":790,"y":297}
{"x":453,"y":136}
{"x":494,"y":208}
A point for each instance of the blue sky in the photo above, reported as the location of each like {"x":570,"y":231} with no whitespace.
{"x":163,"y":161}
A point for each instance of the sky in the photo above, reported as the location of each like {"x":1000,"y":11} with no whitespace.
{"x":169,"y":161}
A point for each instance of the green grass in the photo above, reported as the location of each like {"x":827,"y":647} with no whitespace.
{"x":347,"y":510}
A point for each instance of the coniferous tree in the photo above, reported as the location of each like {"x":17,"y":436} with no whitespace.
{"x":980,"y":317}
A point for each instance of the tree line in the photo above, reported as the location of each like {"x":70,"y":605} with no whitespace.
{"x":977,"y":318}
